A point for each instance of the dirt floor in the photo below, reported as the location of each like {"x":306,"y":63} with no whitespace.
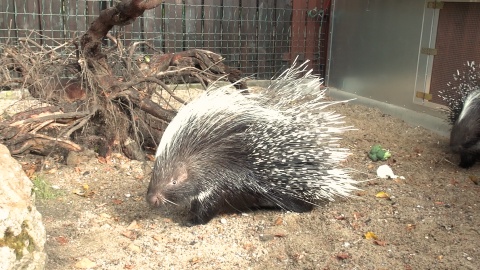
{"x":429,"y":218}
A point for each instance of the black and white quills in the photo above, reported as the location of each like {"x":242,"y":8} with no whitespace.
{"x":231,"y":151}
{"x":465,"y":134}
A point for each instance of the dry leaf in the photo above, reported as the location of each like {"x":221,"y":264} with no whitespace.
{"x":84,"y":192}
{"x":411,"y":227}
{"x":85,"y":263}
{"x":370,"y":235}
{"x":62,"y":240}
{"x":382,"y":195}
{"x":278,"y":221}
{"x":380,"y":243}
{"x":130,"y":235}
{"x":117,"y":201}
{"x":342,"y":256}
{"x":133,"y":226}
{"x":248,"y":246}
{"x":195,"y":260}
{"x":360,"y":193}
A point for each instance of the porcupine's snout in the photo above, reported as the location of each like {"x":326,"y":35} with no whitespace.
{"x":154,"y":198}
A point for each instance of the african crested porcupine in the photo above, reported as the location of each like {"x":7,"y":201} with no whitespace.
{"x":231,"y":151}
{"x":465,"y":134}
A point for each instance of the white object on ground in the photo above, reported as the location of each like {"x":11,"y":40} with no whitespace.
{"x":384,"y":171}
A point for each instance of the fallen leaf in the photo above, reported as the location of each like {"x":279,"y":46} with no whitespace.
{"x":62,"y":240}
{"x":102,"y":160}
{"x":85,"y":263}
{"x":134,"y":225}
{"x":370,"y":235}
{"x":117,"y":201}
{"x":29,"y":169}
{"x":195,"y":260}
{"x":342,"y":256}
{"x":380,"y":243}
{"x":382,"y":195}
{"x":278,"y":221}
{"x":360,"y":193}
{"x":248,"y":246}
{"x":130,"y":235}
{"x":84,"y":192}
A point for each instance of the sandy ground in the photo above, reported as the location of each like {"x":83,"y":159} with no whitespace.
{"x":430,"y":219}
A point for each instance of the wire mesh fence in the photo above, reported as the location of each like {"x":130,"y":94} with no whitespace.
{"x":260,"y":37}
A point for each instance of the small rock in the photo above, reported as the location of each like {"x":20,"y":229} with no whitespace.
{"x":266,"y":237}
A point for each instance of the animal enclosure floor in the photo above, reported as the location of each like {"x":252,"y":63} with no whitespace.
{"x":430,"y":219}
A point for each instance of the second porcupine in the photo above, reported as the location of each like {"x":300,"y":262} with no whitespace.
{"x":465,"y":134}
{"x":230,"y":151}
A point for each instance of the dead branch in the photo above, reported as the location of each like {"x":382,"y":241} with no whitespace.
{"x":123,"y":13}
{"x":115,"y":97}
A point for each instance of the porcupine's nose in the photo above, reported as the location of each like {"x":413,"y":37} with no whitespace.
{"x":153,"y":199}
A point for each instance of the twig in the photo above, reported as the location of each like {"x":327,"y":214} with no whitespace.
{"x":153,"y":80}
{"x":53,"y":116}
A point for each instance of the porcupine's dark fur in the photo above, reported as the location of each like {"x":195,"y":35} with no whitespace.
{"x":465,"y":134}
{"x":226,"y":150}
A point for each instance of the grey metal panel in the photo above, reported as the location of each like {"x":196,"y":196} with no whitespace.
{"x":375,"y":48}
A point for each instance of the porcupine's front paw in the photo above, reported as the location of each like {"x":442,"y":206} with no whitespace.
{"x":200,"y":214}
{"x":467,"y":160}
